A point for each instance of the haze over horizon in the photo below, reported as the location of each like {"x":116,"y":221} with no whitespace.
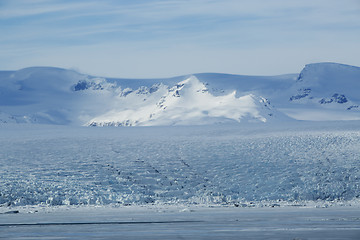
{"x":164,"y":38}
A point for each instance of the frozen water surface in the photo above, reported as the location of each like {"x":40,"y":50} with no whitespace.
{"x":296,"y":181}
{"x":169,"y":222}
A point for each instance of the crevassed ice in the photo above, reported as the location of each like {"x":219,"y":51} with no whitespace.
{"x":204,"y":166}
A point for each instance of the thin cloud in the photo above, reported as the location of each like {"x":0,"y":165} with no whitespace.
{"x":18,"y":9}
{"x":206,"y":27}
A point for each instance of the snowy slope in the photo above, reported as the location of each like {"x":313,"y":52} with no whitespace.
{"x":188,"y":102}
{"x":326,"y":91}
{"x":47,"y":95}
{"x":322,"y":91}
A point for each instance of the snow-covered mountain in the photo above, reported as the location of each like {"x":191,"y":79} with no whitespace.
{"x":326,"y":91}
{"x":188,"y":102}
{"x":322,"y":91}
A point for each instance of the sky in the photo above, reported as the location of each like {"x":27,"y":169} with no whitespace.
{"x":165,"y":38}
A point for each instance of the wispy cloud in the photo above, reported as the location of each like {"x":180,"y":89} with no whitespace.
{"x":23,"y":8}
{"x":174,"y":26}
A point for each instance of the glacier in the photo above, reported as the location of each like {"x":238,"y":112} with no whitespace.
{"x":215,"y":138}
{"x":226,"y":165}
{"x":207,"y":156}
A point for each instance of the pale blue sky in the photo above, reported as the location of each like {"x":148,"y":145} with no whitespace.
{"x":164,"y":38}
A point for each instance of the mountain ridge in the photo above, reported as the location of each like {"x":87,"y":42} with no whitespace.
{"x":59,"y":96}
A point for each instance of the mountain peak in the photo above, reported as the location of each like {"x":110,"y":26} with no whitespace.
{"x":331,"y":78}
{"x":188,"y":102}
{"x":327,"y":68}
